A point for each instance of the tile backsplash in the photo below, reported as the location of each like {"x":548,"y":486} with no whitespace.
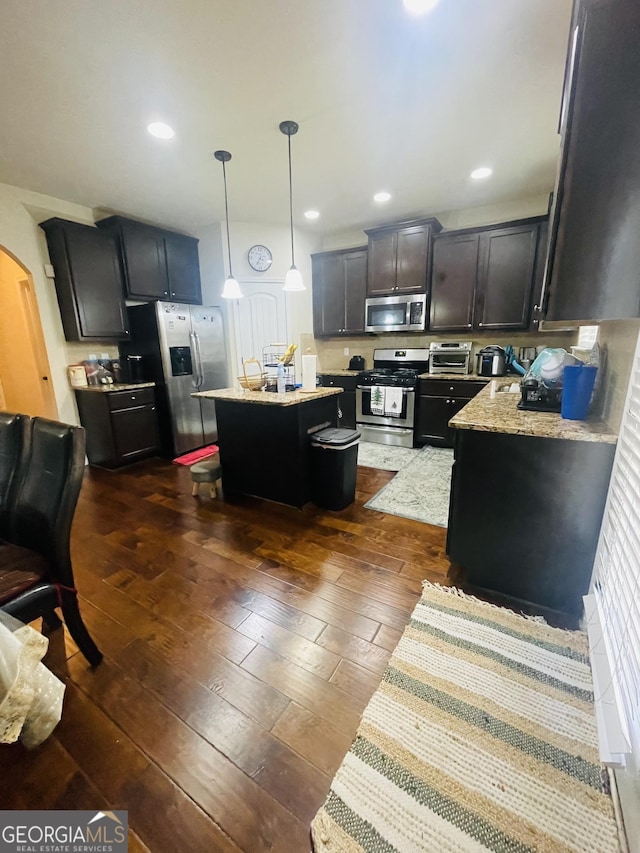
{"x":331,"y":355}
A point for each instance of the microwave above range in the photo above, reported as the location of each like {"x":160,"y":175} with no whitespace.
{"x":396,"y":313}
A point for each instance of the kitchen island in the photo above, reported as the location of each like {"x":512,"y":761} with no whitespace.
{"x":265,"y":440}
{"x":527,"y":495}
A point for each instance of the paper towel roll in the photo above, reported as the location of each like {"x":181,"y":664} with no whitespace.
{"x":309,"y":372}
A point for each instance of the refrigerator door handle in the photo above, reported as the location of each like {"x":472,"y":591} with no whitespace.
{"x":195,"y":377}
{"x":199,"y":358}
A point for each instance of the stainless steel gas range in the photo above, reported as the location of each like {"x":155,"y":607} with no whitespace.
{"x":386,"y":396}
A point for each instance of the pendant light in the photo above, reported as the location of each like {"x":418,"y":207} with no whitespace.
{"x":293,"y":279}
{"x":231,"y":289}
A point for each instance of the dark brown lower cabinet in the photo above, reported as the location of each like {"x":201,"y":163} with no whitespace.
{"x":438,"y":401}
{"x":121,"y":426}
{"x":346,"y":400}
{"x":525,"y":515}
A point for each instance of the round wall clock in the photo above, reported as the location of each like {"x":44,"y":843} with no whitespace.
{"x":260,"y":258}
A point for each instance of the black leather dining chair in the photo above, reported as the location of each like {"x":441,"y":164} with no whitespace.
{"x":15,"y":435}
{"x":36,"y":574}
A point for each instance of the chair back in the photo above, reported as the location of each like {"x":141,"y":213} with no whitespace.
{"x":47,"y":494}
{"x":15,"y":431}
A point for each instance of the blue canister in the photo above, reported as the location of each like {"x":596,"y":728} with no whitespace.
{"x":577,"y":387}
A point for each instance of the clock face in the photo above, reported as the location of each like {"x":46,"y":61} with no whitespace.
{"x":260,"y":258}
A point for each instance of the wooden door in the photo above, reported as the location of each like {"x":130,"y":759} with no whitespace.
{"x":25,"y":377}
{"x":355,"y":285}
{"x":412,"y":259}
{"x":145,"y":261}
{"x":183,"y":268}
{"x":259,"y":319}
{"x":505,"y":277}
{"x":453,"y":282}
{"x":381,"y":273}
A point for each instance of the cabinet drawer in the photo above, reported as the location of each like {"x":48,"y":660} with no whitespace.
{"x":130,"y":399}
{"x":464,"y":389}
{"x":330,"y":380}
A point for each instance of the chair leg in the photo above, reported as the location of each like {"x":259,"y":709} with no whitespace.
{"x":213,"y":490}
{"x":195,"y":490}
{"x":52,"y":621}
{"x":77,"y":628}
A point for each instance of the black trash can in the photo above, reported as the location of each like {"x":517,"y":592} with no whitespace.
{"x":334,"y":461}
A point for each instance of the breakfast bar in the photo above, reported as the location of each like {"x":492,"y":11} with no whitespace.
{"x":527,"y":495}
{"x":265,"y":440}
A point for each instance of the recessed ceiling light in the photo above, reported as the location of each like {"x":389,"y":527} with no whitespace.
{"x":483,"y":172}
{"x":419,"y":7}
{"x":382,"y":197}
{"x":312,"y":214}
{"x":161,"y":130}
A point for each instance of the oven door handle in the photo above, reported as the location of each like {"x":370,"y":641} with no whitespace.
{"x":369,"y":387}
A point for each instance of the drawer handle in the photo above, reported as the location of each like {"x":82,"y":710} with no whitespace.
{"x":133,"y":397}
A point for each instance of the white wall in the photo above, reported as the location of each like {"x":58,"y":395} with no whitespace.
{"x":244,"y":235}
{"x":20,"y":212}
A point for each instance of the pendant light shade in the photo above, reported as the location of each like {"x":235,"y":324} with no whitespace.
{"x":231,"y":289}
{"x":293,"y":280}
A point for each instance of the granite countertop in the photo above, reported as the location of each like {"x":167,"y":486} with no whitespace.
{"x":267,"y":398}
{"x":464,"y":376}
{"x":117,"y":386}
{"x":500,"y":414}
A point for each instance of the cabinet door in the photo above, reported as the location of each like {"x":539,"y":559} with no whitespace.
{"x":381,"y":274}
{"x":145,"y":262}
{"x":135,"y":431}
{"x":433,"y":420}
{"x":593,"y":269}
{"x":347,"y":404}
{"x":355,"y":283}
{"x":88,"y":281}
{"x":412,"y":259}
{"x":332,"y":293}
{"x":453,"y":282}
{"x":183,"y":268}
{"x":505,"y":277}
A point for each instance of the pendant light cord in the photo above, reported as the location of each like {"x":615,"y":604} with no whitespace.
{"x":293,"y":263}
{"x":226,"y":210}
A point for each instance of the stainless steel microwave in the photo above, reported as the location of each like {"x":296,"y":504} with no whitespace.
{"x":396,"y":313}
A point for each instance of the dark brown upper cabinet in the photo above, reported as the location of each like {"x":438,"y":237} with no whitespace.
{"x":453,"y":281}
{"x":399,"y":257}
{"x":339,"y":289}
{"x":88,"y":281}
{"x":484,"y":278}
{"x":505,"y":277}
{"x":593,"y":265}
{"x":157,"y":264}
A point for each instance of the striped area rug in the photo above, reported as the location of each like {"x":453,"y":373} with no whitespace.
{"x":481,"y":736}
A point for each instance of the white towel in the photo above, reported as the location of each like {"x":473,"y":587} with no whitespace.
{"x":393,"y":402}
{"x":378,"y":397}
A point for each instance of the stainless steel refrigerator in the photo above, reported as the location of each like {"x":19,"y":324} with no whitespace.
{"x":183,"y":347}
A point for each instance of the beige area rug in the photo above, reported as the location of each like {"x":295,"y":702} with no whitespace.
{"x":481,"y":736}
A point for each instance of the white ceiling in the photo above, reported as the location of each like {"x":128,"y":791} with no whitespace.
{"x":384,"y":101}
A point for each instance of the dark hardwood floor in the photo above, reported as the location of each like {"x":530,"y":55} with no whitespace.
{"x":242,"y":642}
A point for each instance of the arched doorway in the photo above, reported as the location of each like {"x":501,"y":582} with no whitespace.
{"x":25,"y":378}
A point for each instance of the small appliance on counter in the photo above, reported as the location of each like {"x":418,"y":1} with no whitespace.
{"x":356,"y":363}
{"x":537,"y":397}
{"x":450,"y":357}
{"x":491,"y":361}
